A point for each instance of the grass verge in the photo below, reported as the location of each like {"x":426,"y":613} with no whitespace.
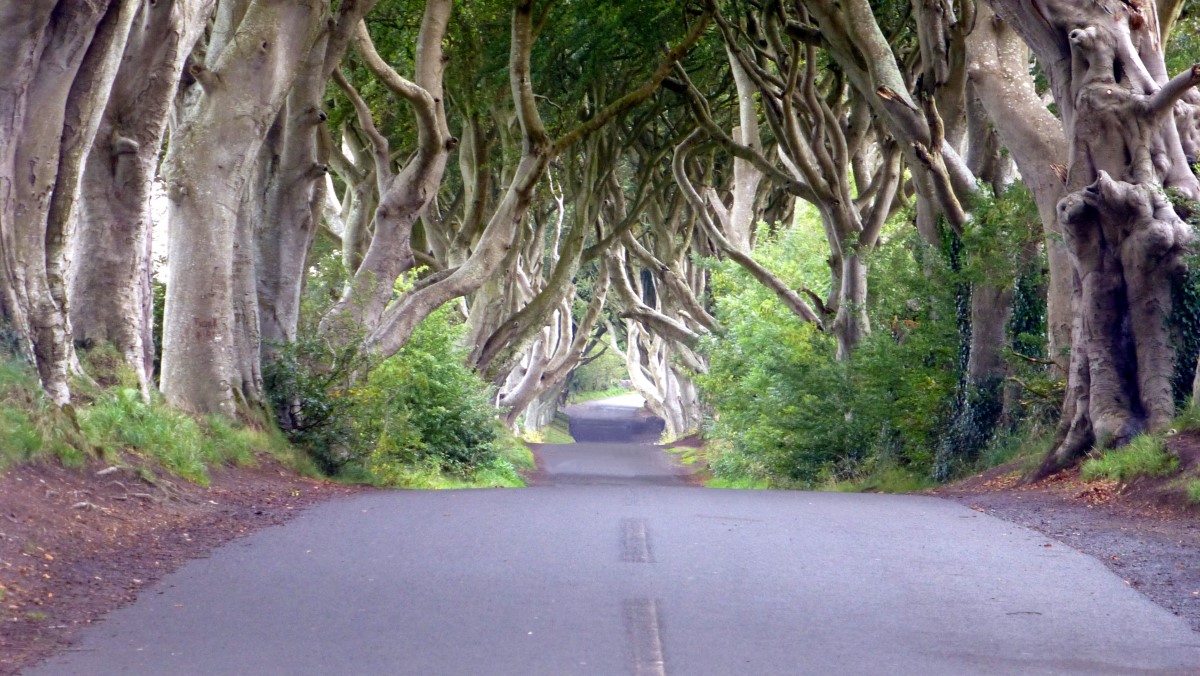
{"x":1144,"y":456}
{"x":111,"y":421}
{"x":885,"y":480}
{"x":557,"y":432}
{"x":513,"y":458}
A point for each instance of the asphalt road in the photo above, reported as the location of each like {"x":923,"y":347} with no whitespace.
{"x":615,"y":566}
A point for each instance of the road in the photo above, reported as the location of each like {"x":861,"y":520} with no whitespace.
{"x":614,"y":565}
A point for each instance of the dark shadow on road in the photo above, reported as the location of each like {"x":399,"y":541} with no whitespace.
{"x":616,"y":444}
{"x":616,"y":423}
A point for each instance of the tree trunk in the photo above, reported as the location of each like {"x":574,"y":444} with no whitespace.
{"x":1108,"y":78}
{"x":109,"y":277}
{"x":292,"y":172}
{"x":253,"y":58}
{"x":60,"y":61}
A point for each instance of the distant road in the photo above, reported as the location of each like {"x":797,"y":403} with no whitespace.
{"x":613,"y":565}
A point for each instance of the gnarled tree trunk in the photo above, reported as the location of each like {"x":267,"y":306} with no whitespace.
{"x":1106,"y":70}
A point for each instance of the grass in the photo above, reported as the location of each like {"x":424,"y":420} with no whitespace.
{"x":32,"y":427}
{"x":505,"y":471}
{"x":111,"y":421}
{"x":1028,"y":445}
{"x":580,"y":397}
{"x":1188,"y":418}
{"x":739,"y":483}
{"x":687,"y":456}
{"x":557,"y":432}
{"x":890,"y":479}
{"x":1193,"y":491}
{"x":1144,"y":456}
{"x":184,"y":445}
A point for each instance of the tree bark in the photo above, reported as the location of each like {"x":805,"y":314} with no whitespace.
{"x":1107,"y":74}
{"x":253,"y":58}
{"x":60,"y":61}
{"x":108,"y":281}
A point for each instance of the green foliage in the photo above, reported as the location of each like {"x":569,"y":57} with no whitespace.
{"x":1187,"y":417}
{"x":994,"y":250}
{"x":1193,"y":491}
{"x":1183,"y":46}
{"x":593,"y":395}
{"x":900,"y":410}
{"x":602,"y":374}
{"x":158,"y":290}
{"x":106,"y":365}
{"x":886,"y":480}
{"x":1184,"y":320}
{"x":994,"y":242}
{"x":1028,"y":443}
{"x":424,"y":405}
{"x":742,"y":483}
{"x":420,"y":419}
{"x":111,"y":420}
{"x":787,"y":412}
{"x":1145,"y":455}
{"x":308,"y":385}
{"x":30,"y":425}
{"x":557,"y":432}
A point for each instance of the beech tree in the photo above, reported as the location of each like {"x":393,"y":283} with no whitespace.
{"x":251,"y":60}
{"x":61,"y":59}
{"x":565,"y":188}
{"x":1106,"y":70}
{"x":109,"y":277}
{"x":537,"y":150}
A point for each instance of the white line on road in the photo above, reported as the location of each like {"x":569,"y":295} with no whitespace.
{"x":635,"y":546}
{"x":642,"y":625}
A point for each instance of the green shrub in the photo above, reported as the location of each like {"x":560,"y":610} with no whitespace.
{"x":309,"y":388}
{"x":424,"y":405}
{"x":421,"y":418}
{"x":1144,"y":456}
{"x":787,"y":412}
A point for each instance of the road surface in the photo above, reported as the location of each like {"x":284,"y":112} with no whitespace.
{"x":614,"y":565}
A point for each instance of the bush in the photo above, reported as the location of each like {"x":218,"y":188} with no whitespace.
{"x":420,"y":418}
{"x":425,"y":406}
{"x":787,"y":412}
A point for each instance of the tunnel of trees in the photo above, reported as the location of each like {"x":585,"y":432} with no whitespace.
{"x":829,"y":232}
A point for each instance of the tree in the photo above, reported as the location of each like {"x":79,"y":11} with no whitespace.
{"x":61,"y":60}
{"x":1105,"y":65}
{"x":108,"y":281}
{"x":233,"y":97}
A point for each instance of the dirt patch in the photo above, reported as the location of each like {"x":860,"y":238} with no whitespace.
{"x":76,"y":544}
{"x":1143,"y":531}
